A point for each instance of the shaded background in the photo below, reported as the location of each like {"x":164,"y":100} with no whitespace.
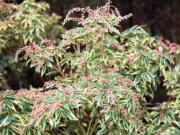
{"x":162,"y":17}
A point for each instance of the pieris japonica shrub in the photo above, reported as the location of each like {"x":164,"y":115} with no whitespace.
{"x":20,"y":25}
{"x":103,"y":78}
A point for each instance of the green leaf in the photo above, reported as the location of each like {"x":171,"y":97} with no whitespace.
{"x":84,"y":99}
{"x":125,"y":124}
{"x":7,"y":120}
{"x":169,"y":58}
{"x":60,"y":43}
{"x":112,"y":83}
{"x":10,"y":105}
{"x":48,"y":64}
{"x":68,"y":113}
{"x":43,"y":70}
{"x":107,"y":116}
{"x":52,"y":72}
{"x":105,"y":58}
{"x":93,"y":112}
{"x":137,"y":58}
{"x":51,"y":59}
{"x":92,"y":55}
{"x":137,"y":79}
{"x":146,"y":61}
{"x":142,"y":91}
{"x":162,"y":61}
{"x":38,"y":133}
{"x":14,"y":129}
{"x":150,"y":91}
{"x":43,"y":123}
{"x":27,"y":132}
{"x":106,"y":43}
{"x":121,"y":103}
{"x":98,"y":85}
{"x":136,"y":125}
{"x":82,"y":84}
{"x":147,"y":77}
{"x":114,"y":115}
{"x":103,"y":131}
{"x":149,"y":55}
{"x":5,"y":131}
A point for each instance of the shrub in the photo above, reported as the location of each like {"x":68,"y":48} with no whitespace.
{"x":20,"y":25}
{"x":103,"y":78}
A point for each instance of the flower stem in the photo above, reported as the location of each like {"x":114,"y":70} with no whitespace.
{"x":90,"y":125}
{"x":96,"y":122}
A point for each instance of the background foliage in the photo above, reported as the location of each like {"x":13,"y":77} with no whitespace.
{"x":20,"y":25}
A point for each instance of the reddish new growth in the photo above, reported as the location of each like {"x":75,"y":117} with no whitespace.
{"x":6,"y":5}
{"x":161,"y":115}
{"x":40,"y":107}
{"x":68,"y":91}
{"x":130,"y":60}
{"x":98,"y":15}
{"x":109,"y":92}
{"x":94,"y":22}
{"x":30,"y":50}
{"x":165,"y":107}
{"x":157,"y":52}
{"x":106,"y":109}
{"x":172,"y":46}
